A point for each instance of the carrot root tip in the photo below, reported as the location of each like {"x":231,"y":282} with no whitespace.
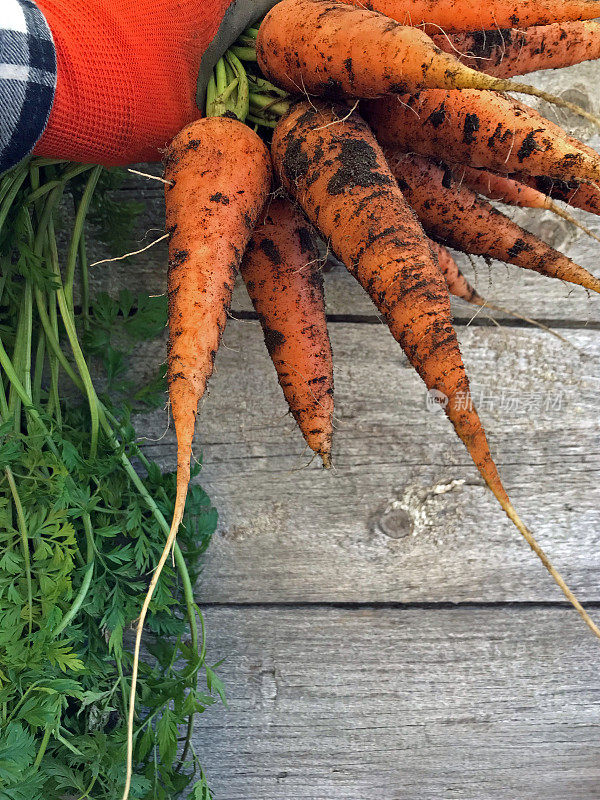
{"x":529,"y":538}
{"x":326,"y":458}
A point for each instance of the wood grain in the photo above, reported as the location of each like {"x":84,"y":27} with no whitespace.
{"x":404,"y":516}
{"x":402,"y":704}
{"x":518,"y":290}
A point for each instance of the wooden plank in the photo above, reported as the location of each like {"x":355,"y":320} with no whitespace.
{"x":402,"y":704}
{"x":404,"y":516}
{"x":515,"y":289}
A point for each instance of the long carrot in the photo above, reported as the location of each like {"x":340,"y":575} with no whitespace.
{"x":218,"y":174}
{"x":507,"y":52}
{"x":476,"y":15}
{"x":331,"y":163}
{"x":512,"y":192}
{"x":336,"y":50}
{"x":284,"y":281}
{"x":483,"y":129}
{"x":453,"y":214}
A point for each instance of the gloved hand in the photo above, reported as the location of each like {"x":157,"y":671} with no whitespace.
{"x":127,"y":71}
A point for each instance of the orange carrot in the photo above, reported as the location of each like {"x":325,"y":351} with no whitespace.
{"x":336,"y":50}
{"x":501,"y":187}
{"x":456,"y":282}
{"x":285,"y":283}
{"x":585,"y":196}
{"x":475,"y":15}
{"x":218,"y":172}
{"x":460,"y":287}
{"x":456,"y":216}
{"x":507,"y":52}
{"x":512,"y":192}
{"x":329,"y":160}
{"x":483,"y":129}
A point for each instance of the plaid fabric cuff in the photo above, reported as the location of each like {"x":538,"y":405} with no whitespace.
{"x":27,"y":78}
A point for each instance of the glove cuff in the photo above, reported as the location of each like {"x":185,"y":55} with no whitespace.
{"x":239,"y":15}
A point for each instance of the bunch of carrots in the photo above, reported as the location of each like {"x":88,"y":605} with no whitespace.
{"x":391,"y":132}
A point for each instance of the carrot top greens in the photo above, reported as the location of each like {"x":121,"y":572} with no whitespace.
{"x":81,"y":529}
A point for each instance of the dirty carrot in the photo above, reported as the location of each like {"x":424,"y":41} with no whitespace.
{"x":456,"y":282}
{"x":283,"y":276}
{"x":475,"y":15}
{"x":454,"y":215}
{"x":503,"y":188}
{"x":218,"y":175}
{"x":507,"y":52}
{"x":336,"y":50}
{"x":331,"y":163}
{"x":585,"y":196}
{"x":459,"y":286}
{"x":483,"y":129}
{"x":510,"y":191}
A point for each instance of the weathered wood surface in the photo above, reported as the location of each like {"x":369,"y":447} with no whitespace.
{"x":502,"y":284}
{"x":402,"y":704}
{"x":404,"y":516}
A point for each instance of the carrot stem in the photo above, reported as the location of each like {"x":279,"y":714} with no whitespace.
{"x":80,"y":216}
{"x":242,"y":105}
{"x":24,"y":534}
{"x":220,"y":76}
{"x":68,"y":322}
{"x":243,"y":53}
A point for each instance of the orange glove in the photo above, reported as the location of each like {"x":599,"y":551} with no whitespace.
{"x":127,"y":72}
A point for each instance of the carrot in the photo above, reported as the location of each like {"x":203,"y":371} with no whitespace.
{"x":475,"y":15}
{"x":330,"y":162}
{"x":585,"y":196}
{"x":507,"y":52}
{"x":512,"y":192}
{"x":483,"y":129}
{"x":218,"y":175}
{"x":456,"y":282}
{"x":453,"y":214}
{"x":501,"y":187}
{"x":285,"y":283}
{"x":460,"y":287}
{"x":336,"y":50}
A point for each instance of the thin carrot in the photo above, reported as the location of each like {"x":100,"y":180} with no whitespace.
{"x":284,"y":281}
{"x":585,"y":196}
{"x":514,"y":193}
{"x":460,"y":287}
{"x":456,"y":282}
{"x":454,"y":215}
{"x":483,"y":129}
{"x":476,"y":15}
{"x":336,"y":50}
{"x":504,"y":188}
{"x":329,"y":160}
{"x":218,"y":175}
{"x":507,"y":52}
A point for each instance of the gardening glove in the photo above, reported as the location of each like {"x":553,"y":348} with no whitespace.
{"x":108,"y":81}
